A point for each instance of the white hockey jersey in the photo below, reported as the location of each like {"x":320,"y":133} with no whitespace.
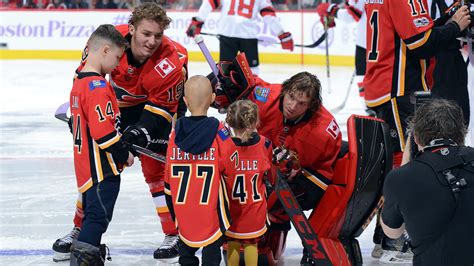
{"x":240,"y":19}
{"x":344,"y":14}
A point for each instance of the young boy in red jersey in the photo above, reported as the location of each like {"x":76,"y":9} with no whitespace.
{"x":195,"y":192}
{"x":99,"y":152}
{"x":247,"y":165}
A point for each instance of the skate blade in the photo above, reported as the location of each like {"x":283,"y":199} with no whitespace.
{"x":58,"y":257}
{"x":169,"y":260}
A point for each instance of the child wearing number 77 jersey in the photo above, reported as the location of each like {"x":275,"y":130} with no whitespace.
{"x":194,"y":189}
{"x":247,"y":165}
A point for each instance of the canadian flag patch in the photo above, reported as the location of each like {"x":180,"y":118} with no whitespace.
{"x":164,"y":67}
{"x":333,"y":129}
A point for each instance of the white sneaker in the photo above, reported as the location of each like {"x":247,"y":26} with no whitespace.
{"x":377,"y":251}
{"x":168,"y":250}
{"x":396,"y":257}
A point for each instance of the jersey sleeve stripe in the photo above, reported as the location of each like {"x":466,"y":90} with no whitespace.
{"x":112,"y":163}
{"x":418,"y":40}
{"x":378,"y":101}
{"x":267,"y":11}
{"x":160,"y":112}
{"x":108,"y":140}
{"x":97,"y":161}
{"x":323,"y":184}
{"x":398,"y":123}
{"x":167,"y":189}
{"x":86,"y":186}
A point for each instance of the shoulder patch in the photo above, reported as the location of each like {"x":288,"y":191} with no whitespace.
{"x":261,"y":93}
{"x":333,"y":129}
{"x":164,"y":67}
{"x":268,"y":143}
{"x":98,"y":83}
{"x":223,"y":133}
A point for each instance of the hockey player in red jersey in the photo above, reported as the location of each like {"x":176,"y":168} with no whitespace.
{"x":148,"y":84}
{"x":99,"y":152}
{"x":238,"y":27}
{"x":195,"y":191}
{"x":293,"y":118}
{"x":247,"y":165}
{"x":400,"y":39}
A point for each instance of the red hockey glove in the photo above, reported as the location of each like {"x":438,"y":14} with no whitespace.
{"x":286,"y":41}
{"x":327,"y":13}
{"x":194,"y":28}
{"x":287,"y":161}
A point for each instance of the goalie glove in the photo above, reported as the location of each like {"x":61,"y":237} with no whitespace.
{"x":287,"y":161}
{"x":194,"y":28}
{"x":236,"y":81}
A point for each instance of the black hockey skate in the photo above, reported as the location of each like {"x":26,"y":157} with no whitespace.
{"x":62,"y":246}
{"x":168,"y":250}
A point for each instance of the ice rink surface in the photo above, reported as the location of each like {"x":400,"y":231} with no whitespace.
{"x":37,"y":183}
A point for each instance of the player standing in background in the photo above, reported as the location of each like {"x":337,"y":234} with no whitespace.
{"x":148,"y":84}
{"x":99,"y":152}
{"x":450,"y":69}
{"x":400,"y":39}
{"x":238,"y":27}
{"x":353,"y":10}
{"x":195,"y":190}
{"x":247,"y":165}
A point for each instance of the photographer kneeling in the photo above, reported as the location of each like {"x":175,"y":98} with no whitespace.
{"x":433,"y":194}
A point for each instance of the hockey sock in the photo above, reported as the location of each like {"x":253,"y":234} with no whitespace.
{"x":251,"y":254}
{"x":233,"y":253}
{"x":79,"y":214}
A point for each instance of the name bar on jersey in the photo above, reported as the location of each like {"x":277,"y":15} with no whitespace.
{"x":208,"y":155}
{"x":374,"y":2}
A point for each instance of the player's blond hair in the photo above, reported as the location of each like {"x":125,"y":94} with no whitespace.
{"x":243,"y":115}
{"x":151,"y":11}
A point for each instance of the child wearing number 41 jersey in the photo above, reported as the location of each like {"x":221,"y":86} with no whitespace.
{"x":99,"y":152}
{"x":246,"y":167}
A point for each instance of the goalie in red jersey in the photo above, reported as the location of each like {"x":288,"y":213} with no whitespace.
{"x":148,"y":84}
{"x":293,"y":118}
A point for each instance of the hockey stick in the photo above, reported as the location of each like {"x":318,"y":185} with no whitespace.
{"x":326,"y":44}
{"x":313,"y":45}
{"x":343,"y":104}
{"x":308,"y":237}
{"x":61,"y":114}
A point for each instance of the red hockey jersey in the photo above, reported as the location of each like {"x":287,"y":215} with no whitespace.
{"x":160,"y":80}
{"x":95,"y":112}
{"x":198,"y":194}
{"x":317,"y":141}
{"x":393,"y":29}
{"x":245,"y":167}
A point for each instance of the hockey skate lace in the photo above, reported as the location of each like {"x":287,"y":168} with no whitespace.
{"x":71,"y":236}
{"x":169,"y":242}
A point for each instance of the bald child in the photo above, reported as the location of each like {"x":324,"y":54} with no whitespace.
{"x":194,"y":190}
